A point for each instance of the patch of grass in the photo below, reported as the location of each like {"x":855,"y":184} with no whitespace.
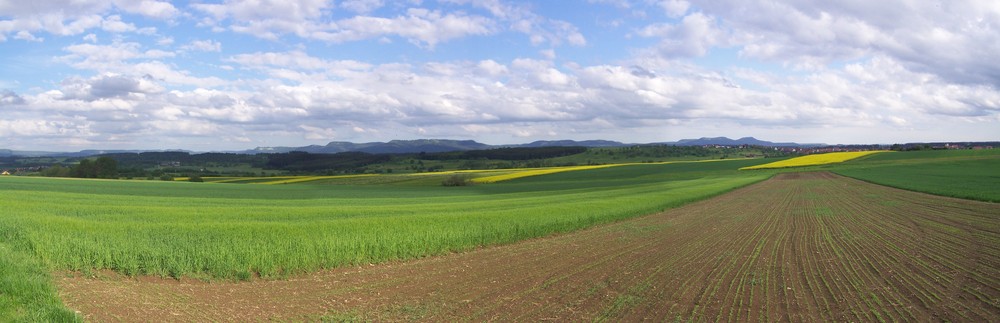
{"x":343,"y":317}
{"x":26,"y":292}
{"x":625,"y":301}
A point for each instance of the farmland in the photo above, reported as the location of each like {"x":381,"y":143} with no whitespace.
{"x":218,"y":231}
{"x":813,"y":160}
{"x":970,"y":174}
{"x":799,"y":247}
{"x":403,"y":246}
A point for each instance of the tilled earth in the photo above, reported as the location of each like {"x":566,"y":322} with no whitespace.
{"x":798,"y":247}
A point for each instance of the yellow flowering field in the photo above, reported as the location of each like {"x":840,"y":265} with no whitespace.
{"x":536,"y":172}
{"x":301,"y":179}
{"x":817,"y":159}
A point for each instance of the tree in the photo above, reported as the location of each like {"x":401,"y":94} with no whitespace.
{"x":57,"y":170}
{"x":85,"y":169}
{"x":106,"y":167}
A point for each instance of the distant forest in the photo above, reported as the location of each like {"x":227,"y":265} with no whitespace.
{"x":166,"y":165}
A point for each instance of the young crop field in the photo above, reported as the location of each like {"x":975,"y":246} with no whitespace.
{"x":799,"y":247}
{"x":971,"y":174}
{"x":813,"y":160}
{"x":239,"y":232}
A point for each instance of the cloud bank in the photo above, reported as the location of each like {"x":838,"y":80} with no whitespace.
{"x":235,"y":74}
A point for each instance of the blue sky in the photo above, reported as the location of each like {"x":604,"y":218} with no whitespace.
{"x":238,"y":74}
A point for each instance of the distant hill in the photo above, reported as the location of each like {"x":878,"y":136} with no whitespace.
{"x":723,"y":141}
{"x":391,"y":147}
{"x":425,"y":145}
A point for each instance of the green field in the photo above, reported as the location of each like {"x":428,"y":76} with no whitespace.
{"x":223,"y":231}
{"x":241,"y":231}
{"x":969,"y":174}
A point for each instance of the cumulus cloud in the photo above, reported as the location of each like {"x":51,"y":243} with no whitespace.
{"x":420,"y":26}
{"x":311,"y":19}
{"x":8,"y":97}
{"x":674,"y":8}
{"x":540,"y":29}
{"x":63,"y":18}
{"x":538,"y":99}
{"x":271,"y":20}
{"x":203,"y":46}
{"x":116,"y":25}
{"x":24,"y":35}
{"x":362,"y":6}
{"x":108,"y":86}
{"x":954,"y":40}
{"x":694,"y":36}
{"x":128,"y":58}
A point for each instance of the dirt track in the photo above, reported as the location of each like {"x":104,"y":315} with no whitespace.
{"x":799,"y":247}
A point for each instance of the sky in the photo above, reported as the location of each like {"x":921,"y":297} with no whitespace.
{"x":238,"y":74}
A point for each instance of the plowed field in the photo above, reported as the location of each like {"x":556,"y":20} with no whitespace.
{"x":798,"y":247}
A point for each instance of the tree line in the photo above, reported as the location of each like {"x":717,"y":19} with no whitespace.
{"x":102,"y":167}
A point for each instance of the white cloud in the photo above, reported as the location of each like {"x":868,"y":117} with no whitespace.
{"x":420,"y":26}
{"x":954,"y":40}
{"x":203,"y":46}
{"x":461,"y":99}
{"x":63,"y":18}
{"x":317,"y":133}
{"x":108,"y":86}
{"x":149,"y":8}
{"x":8,"y":97}
{"x":362,"y":6}
{"x":694,"y":36}
{"x":165,"y":41}
{"x":129,"y":59}
{"x":424,"y":27}
{"x":675,"y":8}
{"x":24,"y":35}
{"x":116,"y":25}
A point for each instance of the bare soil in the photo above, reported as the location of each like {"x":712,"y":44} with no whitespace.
{"x":798,"y":247}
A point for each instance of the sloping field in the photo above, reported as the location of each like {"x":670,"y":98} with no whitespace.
{"x":798,"y":247}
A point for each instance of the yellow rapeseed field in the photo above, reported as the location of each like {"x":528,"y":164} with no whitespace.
{"x":817,"y":159}
{"x":536,"y":172}
{"x":301,"y":179}
{"x":525,"y":172}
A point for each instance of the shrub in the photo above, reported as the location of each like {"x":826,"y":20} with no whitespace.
{"x":457,"y":180}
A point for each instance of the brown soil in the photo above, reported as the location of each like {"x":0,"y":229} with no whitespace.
{"x":799,"y":247}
